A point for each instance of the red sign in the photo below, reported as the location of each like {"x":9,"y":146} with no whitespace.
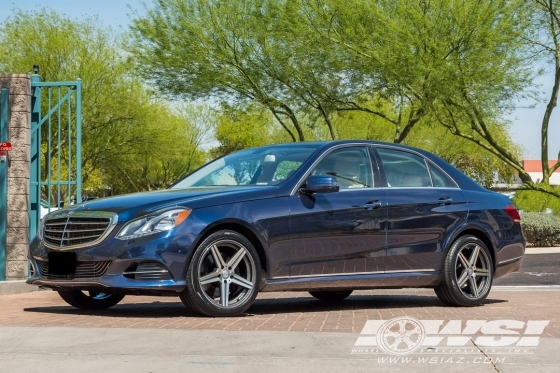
{"x":6,"y":146}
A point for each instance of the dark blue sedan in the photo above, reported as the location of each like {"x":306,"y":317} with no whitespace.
{"x":325,"y":217}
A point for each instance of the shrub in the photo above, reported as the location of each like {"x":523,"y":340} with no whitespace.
{"x":541,"y":229}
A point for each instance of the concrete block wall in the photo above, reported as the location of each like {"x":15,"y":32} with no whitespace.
{"x":19,"y":86}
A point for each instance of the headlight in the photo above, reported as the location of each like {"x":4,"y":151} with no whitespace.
{"x":150,"y":224}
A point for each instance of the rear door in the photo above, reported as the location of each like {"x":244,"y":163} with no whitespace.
{"x":423,"y":205}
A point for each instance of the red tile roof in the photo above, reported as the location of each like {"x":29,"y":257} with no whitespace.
{"x":535,"y":165}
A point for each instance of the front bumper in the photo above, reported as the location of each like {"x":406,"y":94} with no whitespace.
{"x":116,"y":283}
{"x":168,"y":251}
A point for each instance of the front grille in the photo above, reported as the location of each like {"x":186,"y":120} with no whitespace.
{"x":77,"y":228}
{"x":83,"y":269}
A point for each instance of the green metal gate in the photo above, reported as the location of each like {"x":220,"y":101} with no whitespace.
{"x":56,"y":147}
{"x":4,"y":137}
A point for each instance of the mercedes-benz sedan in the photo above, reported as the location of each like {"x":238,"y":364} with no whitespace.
{"x":325,"y":217}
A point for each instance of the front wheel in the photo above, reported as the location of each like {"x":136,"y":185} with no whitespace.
{"x":467,"y":273}
{"x":331,"y":295}
{"x":223,"y":275}
{"x":90,"y":300}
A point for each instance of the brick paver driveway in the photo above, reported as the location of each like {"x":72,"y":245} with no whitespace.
{"x":284,"y":311}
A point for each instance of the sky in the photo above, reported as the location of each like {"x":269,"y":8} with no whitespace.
{"x":525,"y":128}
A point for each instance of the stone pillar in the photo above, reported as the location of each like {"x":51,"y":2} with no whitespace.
{"x":19,"y":86}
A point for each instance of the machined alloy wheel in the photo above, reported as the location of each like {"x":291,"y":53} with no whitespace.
{"x":468,"y":273}
{"x":90,"y":300}
{"x":223,"y":275}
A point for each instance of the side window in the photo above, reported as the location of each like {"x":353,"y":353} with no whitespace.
{"x":440,"y":179}
{"x":403,"y":169}
{"x":285,"y":169}
{"x":351,"y":166}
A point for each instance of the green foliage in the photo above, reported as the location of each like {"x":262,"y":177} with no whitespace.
{"x":320,"y":66}
{"x":434,"y":74}
{"x":544,"y":39}
{"x":165,"y":155}
{"x":123,"y":127}
{"x":241,"y":129}
{"x":538,"y":201}
{"x":541,"y":229}
{"x":480,"y":164}
{"x":200,"y":49}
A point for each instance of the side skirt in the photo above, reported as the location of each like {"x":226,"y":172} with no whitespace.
{"x":393,"y":280}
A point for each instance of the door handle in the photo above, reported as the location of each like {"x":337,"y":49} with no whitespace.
{"x":372,"y":205}
{"x":445,"y":201}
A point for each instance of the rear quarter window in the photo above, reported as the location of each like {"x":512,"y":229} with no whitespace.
{"x":440,"y":179}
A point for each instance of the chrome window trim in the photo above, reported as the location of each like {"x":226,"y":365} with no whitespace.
{"x":432,"y":164}
{"x":355,"y":189}
{"x":113,"y":220}
{"x":327,"y":152}
{"x":429,"y":173}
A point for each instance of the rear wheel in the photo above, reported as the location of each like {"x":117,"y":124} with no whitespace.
{"x":331,"y":295}
{"x":223,"y":275}
{"x":467,"y":273}
{"x":90,"y":300}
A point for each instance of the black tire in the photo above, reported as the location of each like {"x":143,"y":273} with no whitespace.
{"x":331,"y":295}
{"x":225,"y":266}
{"x":91,"y":300}
{"x":468,"y":272}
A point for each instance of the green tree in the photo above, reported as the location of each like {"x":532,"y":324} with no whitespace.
{"x":199,"y":49}
{"x":240,"y":129}
{"x":480,"y":164}
{"x":118,"y":112}
{"x":166,"y":155}
{"x":537,"y":201}
{"x":317,"y":57}
{"x":314,"y":64}
{"x":544,"y":37}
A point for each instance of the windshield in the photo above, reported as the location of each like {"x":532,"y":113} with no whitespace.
{"x":269,"y":165}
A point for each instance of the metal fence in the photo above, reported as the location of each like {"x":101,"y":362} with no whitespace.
{"x":56,"y":147}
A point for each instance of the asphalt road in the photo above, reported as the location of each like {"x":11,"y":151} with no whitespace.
{"x":536,"y":269}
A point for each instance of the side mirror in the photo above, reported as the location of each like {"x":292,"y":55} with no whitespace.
{"x":320,"y":184}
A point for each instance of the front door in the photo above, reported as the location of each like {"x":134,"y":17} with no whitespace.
{"x":341,"y":232}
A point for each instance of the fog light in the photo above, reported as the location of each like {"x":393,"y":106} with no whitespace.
{"x":147,"y":271}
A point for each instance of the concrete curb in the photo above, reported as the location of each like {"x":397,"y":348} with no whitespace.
{"x":542,"y":250}
{"x":526,"y":288}
{"x":16,"y":287}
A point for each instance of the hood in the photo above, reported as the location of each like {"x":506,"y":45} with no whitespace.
{"x":130,"y":206}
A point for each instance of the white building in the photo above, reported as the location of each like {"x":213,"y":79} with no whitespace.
{"x":534,"y":169}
